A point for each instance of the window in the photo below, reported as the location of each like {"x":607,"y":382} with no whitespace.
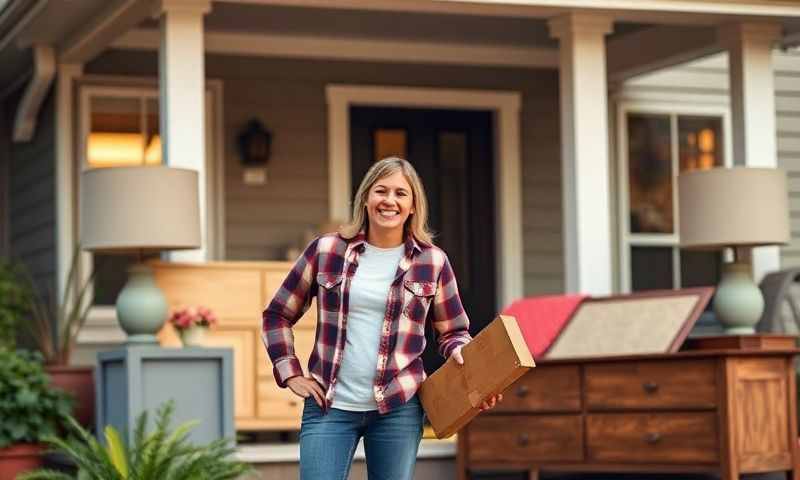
{"x":655,"y":146}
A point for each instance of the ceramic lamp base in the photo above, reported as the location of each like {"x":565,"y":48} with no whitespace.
{"x":141,"y":306}
{"x":738,"y":302}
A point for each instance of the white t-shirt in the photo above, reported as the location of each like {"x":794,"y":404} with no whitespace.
{"x":369,"y":291}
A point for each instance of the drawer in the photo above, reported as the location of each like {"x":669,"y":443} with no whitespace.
{"x":543,"y":389}
{"x":525,"y":438}
{"x":683,"y":384}
{"x":669,"y":438}
{"x":277,"y":404}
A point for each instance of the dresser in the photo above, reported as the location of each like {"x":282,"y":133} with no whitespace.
{"x":238,"y":293}
{"x":723,"y":410}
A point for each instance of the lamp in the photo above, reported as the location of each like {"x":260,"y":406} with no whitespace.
{"x":142,"y":209}
{"x":740,"y":208}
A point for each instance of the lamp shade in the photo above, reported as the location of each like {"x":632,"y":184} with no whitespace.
{"x":737,"y":206}
{"x":142,"y":208}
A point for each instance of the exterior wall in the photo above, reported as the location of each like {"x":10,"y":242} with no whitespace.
{"x":5,"y":135}
{"x":289,"y":97}
{"x":31,"y":177}
{"x":706,"y":81}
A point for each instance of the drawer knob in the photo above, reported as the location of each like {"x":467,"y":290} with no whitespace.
{"x":523,"y":439}
{"x":650,"y":387}
{"x":652,"y":438}
{"x":523,"y":390}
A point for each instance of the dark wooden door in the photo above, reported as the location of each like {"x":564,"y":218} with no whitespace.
{"x":453,"y":153}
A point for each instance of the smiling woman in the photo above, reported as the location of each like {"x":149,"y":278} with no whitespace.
{"x":377,"y":282}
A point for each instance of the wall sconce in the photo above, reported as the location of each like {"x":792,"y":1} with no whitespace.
{"x":255,"y":148}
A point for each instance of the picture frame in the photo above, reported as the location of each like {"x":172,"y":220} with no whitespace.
{"x":649,"y":322}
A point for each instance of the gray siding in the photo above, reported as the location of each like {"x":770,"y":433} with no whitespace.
{"x":4,"y":163}
{"x":289,"y":96}
{"x":706,"y":81}
{"x":31,"y":168}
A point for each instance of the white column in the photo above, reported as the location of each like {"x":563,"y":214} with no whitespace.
{"x":584,"y":147}
{"x":182,"y":99}
{"x":752,"y":91}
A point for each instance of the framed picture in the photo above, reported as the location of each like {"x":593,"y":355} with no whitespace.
{"x":639,"y":323}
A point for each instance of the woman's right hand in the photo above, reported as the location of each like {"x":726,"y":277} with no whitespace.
{"x":305,"y":387}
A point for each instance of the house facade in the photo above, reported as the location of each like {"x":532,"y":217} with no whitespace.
{"x":548,"y":132}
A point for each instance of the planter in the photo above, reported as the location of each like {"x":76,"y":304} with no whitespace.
{"x":79,"y":382}
{"x":21,"y":458}
{"x":193,"y":336}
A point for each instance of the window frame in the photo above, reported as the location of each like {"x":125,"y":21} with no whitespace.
{"x":102,"y":324}
{"x":626,"y":240}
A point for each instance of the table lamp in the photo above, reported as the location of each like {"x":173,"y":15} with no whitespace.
{"x":740,"y":208}
{"x":142,"y":209}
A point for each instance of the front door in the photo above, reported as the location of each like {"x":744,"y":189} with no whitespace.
{"x":453,"y":153}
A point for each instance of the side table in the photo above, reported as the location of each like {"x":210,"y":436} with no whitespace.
{"x":132,"y":379}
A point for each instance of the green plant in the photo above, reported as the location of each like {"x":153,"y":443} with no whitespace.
{"x":55,"y":324}
{"x":159,"y":455}
{"x":15,"y":297}
{"x":29,"y":408}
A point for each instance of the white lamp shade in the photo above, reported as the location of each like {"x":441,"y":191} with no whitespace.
{"x":737,"y":206}
{"x":143,"y":208}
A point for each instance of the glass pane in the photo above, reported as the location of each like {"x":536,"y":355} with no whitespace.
{"x":390,"y":142}
{"x":700,"y":145}
{"x":650,"y":173}
{"x":453,"y":235}
{"x":115,"y":132}
{"x":700,"y":269}
{"x":152,"y":129}
{"x":651,"y":268}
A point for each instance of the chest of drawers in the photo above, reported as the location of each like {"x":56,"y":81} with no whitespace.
{"x":726,"y":412}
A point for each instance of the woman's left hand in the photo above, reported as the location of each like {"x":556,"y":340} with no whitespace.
{"x":490,"y":402}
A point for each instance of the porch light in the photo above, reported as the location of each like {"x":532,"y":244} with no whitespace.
{"x":739,"y":208}
{"x":142,"y":209}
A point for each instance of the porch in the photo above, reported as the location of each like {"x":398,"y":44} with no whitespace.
{"x":187,"y":76}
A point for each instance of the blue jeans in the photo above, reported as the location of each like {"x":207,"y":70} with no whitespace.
{"x":328,"y":441}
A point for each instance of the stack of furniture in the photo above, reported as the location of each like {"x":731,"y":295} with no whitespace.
{"x":726,"y":405}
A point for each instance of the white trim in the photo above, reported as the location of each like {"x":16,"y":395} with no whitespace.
{"x":508,"y":178}
{"x":359,"y":49}
{"x":44,"y":69}
{"x":542,"y":7}
{"x":101,"y":326}
{"x":87,"y":42}
{"x":65,"y":199}
{"x":23,"y":22}
{"x":673,"y":110}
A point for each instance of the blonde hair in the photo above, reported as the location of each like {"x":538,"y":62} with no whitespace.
{"x":417,"y":222}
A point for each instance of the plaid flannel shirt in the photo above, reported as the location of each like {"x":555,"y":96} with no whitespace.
{"x":424,"y":284}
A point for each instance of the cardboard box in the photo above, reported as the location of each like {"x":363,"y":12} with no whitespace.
{"x":493,"y":360}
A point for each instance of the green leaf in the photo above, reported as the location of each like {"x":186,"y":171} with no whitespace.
{"x":116,"y":450}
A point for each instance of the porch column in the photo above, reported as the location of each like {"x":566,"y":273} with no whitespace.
{"x":584,"y":147}
{"x":182,"y":98}
{"x":752,"y":94}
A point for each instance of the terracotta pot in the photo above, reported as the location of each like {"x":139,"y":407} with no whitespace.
{"x":79,"y":382}
{"x":20,"y":458}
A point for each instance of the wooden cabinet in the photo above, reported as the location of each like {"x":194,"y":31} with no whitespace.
{"x":238,"y":293}
{"x":723,"y":411}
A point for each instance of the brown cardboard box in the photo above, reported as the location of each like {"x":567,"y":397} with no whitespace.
{"x":493,"y":360}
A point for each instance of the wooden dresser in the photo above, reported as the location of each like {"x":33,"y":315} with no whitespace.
{"x":724,"y":411}
{"x":238,"y":292}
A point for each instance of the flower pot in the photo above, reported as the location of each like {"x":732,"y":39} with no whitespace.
{"x":78,"y":381}
{"x":193,"y":336}
{"x":20,"y":458}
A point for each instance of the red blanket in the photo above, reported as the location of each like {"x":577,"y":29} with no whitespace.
{"x":542,"y":318}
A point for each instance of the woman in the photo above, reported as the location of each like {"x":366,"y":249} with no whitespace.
{"x":375,"y":282}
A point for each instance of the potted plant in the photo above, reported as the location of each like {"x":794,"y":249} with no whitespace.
{"x":15,"y":297}
{"x":192,"y":324}
{"x":159,"y":455}
{"x":54,"y":326}
{"x":30,"y":409}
